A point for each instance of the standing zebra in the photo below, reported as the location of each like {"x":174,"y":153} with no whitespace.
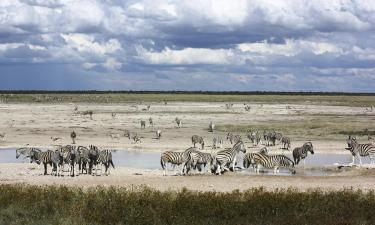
{"x":176,"y":158}
{"x":358,"y":150}
{"x":249,"y":158}
{"x":285,"y":141}
{"x":273,"y":161}
{"x":143,"y":124}
{"x":93,"y":155}
{"x":178,"y":122}
{"x":254,"y":137}
{"x":105,"y":158}
{"x":199,"y":159}
{"x":227,"y":157}
{"x":197,"y":139}
{"x":48,"y":157}
{"x":70,"y":156}
{"x":83,"y":158}
{"x":25,"y":151}
{"x":301,"y":152}
{"x":211,"y":127}
{"x":234,"y":138}
{"x":151,"y":122}
{"x":217,"y":142}
{"x":158,"y":134}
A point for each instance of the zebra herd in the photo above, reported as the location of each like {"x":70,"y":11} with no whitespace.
{"x":88,"y":159}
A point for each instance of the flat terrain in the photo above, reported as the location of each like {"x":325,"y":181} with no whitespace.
{"x":326,"y":124}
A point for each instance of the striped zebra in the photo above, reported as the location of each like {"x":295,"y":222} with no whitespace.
{"x":279,"y":136}
{"x":248,"y":159}
{"x":70,"y":156}
{"x":83,"y":158}
{"x":199,"y":159}
{"x":93,"y":155}
{"x":143,"y":124}
{"x":217,"y":142}
{"x":25,"y":152}
{"x":197,"y":139}
{"x":49,"y":157}
{"x":301,"y":152}
{"x":176,"y":158}
{"x":273,"y":161}
{"x":270,"y":137}
{"x":178,"y":122}
{"x":227,"y":157}
{"x":234,"y":138}
{"x":254,"y":137}
{"x":358,"y":150}
{"x":285,"y":141}
{"x":158,"y":134}
{"x":105,"y":158}
{"x":211,"y":127}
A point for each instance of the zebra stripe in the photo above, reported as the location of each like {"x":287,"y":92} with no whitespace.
{"x":301,"y":152}
{"x":273,"y":161}
{"x":249,"y":158}
{"x":25,"y":151}
{"x":225,"y":157}
{"x":175,"y":158}
{"x":199,"y":159}
{"x":234,"y":138}
{"x":105,"y":158}
{"x":48,"y":157}
{"x":358,"y":150}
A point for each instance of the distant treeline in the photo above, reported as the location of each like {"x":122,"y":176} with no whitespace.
{"x":187,"y":92}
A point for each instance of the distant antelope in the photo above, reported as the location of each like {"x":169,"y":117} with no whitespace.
{"x":158,"y":134}
{"x":143,"y":124}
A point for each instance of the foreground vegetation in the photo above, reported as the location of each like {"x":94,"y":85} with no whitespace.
{"x":98,"y":97}
{"x":64,"y":205}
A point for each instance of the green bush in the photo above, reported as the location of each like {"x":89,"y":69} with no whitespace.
{"x":21,"y":204}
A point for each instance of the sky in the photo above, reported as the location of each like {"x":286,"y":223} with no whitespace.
{"x":192,"y":45}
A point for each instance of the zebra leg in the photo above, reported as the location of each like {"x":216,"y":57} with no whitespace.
{"x":218,"y":170}
{"x":45,"y":168}
{"x":360,"y":161}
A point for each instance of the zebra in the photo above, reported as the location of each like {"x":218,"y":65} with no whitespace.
{"x":151,"y":122}
{"x":233,"y":138}
{"x":228,"y":105}
{"x":178,"y":122}
{"x":285,"y":141}
{"x":105,"y":158}
{"x":88,"y":112}
{"x":211,"y":127}
{"x":270,"y":137}
{"x":248,"y":159}
{"x":301,"y":152}
{"x":48,"y":157}
{"x":70,"y":156}
{"x":136,"y":138}
{"x":113,"y":115}
{"x":226,"y":157}
{"x":73,"y":135}
{"x":358,"y":150}
{"x":254,"y":137}
{"x":199,"y":159}
{"x":176,"y":158}
{"x":247,"y":108}
{"x":83,"y":158}
{"x":273,"y":161}
{"x":25,"y":151}
{"x":143,"y":124}
{"x":217,"y":142}
{"x":279,"y":136}
{"x":158,"y":134}
{"x":197,"y":139}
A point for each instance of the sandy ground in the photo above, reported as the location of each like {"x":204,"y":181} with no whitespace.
{"x":34,"y":124}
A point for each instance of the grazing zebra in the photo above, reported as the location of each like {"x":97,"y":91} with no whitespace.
{"x":176,"y":158}
{"x":301,"y":152}
{"x":199,"y":159}
{"x":358,"y":150}
{"x":248,"y":159}
{"x":233,"y":138}
{"x":143,"y":124}
{"x":158,"y":134}
{"x":273,"y":161}
{"x":226,"y":157}
{"x":105,"y":158}
{"x":211,"y":127}
{"x":217,"y":142}
{"x":73,"y":135}
{"x":285,"y":141}
{"x":178,"y":122}
{"x":48,"y":157}
{"x":197,"y":139}
{"x":151,"y":122}
{"x":25,"y":151}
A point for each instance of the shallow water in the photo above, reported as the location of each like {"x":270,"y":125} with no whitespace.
{"x":151,"y":160}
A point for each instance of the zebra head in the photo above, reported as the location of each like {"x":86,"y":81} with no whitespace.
{"x":19,"y":152}
{"x":309,"y":147}
{"x":34,"y":156}
{"x":240,"y":146}
{"x":351,"y":141}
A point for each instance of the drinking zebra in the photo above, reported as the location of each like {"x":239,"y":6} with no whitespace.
{"x":249,"y":158}
{"x":151,"y":122}
{"x":176,"y":158}
{"x":233,"y":138}
{"x":25,"y":151}
{"x":143,"y":124}
{"x":285,"y":141}
{"x":158,"y":134}
{"x":211,"y":127}
{"x":199,"y":159}
{"x":358,"y":150}
{"x":48,"y":157}
{"x":227,"y":157}
{"x":178,"y":122}
{"x":301,"y":152}
{"x":217,"y":142}
{"x":273,"y":161}
{"x":197,"y":139}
